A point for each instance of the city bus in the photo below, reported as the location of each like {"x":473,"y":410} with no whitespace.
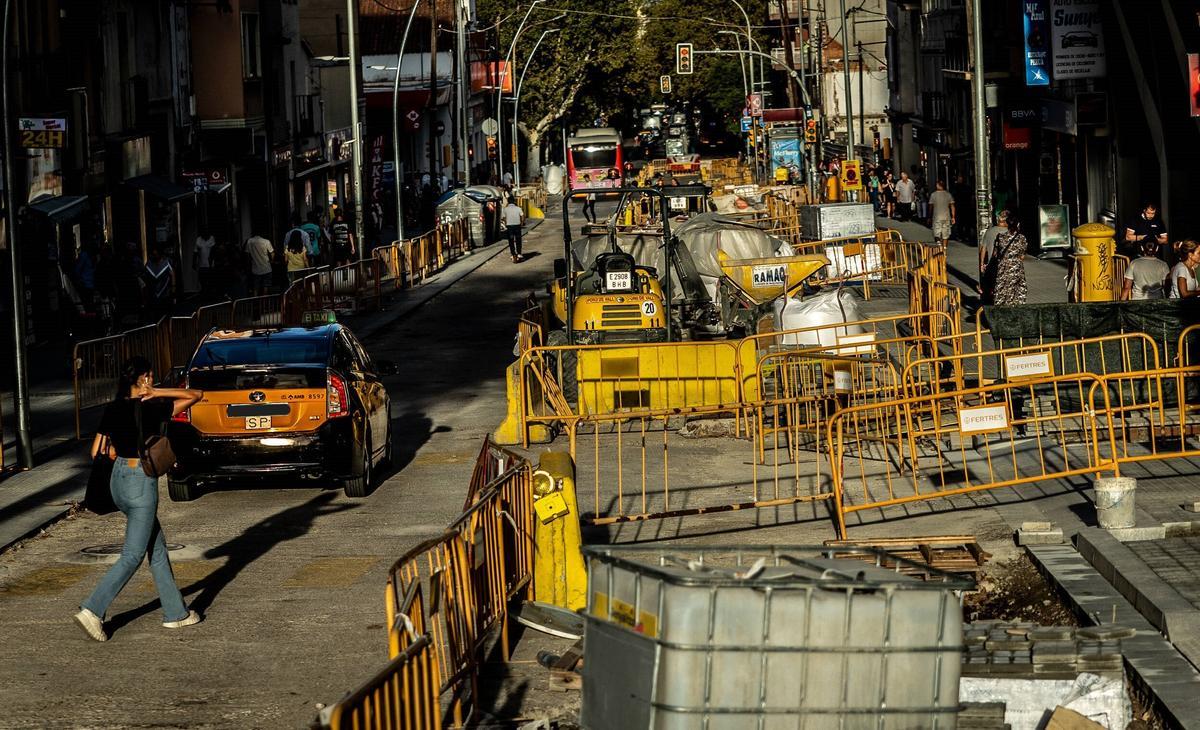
{"x":593,"y":153}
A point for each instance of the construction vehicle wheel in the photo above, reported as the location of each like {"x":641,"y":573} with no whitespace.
{"x":570,"y":368}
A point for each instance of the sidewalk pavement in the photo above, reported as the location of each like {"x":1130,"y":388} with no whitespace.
{"x":32,"y":500}
{"x":1045,"y":277}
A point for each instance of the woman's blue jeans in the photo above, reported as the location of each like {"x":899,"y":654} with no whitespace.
{"x":136,"y":495}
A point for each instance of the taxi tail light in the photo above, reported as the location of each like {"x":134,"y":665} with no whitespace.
{"x":338,"y":399}
{"x":184,"y":416}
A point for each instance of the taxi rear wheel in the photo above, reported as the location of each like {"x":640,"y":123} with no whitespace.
{"x":180,"y":490}
{"x":359,"y":486}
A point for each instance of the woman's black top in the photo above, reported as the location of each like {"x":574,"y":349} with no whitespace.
{"x":119,"y":423}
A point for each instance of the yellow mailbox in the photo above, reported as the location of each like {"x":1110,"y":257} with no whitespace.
{"x":1095,"y":246}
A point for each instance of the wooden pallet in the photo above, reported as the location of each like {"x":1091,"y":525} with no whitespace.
{"x":957,"y":554}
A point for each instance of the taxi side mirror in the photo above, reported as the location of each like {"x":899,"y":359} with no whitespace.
{"x":386,"y":368}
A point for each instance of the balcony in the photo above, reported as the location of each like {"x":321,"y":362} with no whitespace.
{"x":308,"y":115}
{"x":793,"y":10}
{"x":933,"y":108}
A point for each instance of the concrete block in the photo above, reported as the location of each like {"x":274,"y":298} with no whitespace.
{"x":1137,"y":534}
{"x":1048,"y":536}
{"x":1043,"y":526}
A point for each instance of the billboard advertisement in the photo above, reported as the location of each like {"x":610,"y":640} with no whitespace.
{"x":1078,"y":39}
{"x":1037,"y":42}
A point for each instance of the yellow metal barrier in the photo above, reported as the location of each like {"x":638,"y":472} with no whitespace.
{"x":402,"y":696}
{"x":948,"y":444}
{"x":457,"y":586}
{"x":654,"y":465}
{"x":1096,"y":355}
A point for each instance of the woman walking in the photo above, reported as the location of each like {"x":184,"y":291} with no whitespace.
{"x":1183,"y":276}
{"x":139,"y":411}
{"x":887,"y":189}
{"x":1008,"y":259}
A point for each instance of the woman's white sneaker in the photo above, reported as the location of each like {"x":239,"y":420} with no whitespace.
{"x":191,"y":619}
{"x":91,"y":625}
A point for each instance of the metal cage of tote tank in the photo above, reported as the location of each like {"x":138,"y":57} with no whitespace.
{"x":767,"y":637}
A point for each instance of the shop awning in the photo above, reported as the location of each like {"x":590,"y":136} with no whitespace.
{"x":60,"y":208}
{"x":160,"y":187}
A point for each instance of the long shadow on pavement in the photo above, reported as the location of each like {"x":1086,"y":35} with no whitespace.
{"x":254,"y":542}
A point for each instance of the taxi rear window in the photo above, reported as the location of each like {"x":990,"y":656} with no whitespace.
{"x":257,"y":378}
{"x":263,"y":351}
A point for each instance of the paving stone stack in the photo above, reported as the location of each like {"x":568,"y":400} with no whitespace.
{"x":1029,"y":651}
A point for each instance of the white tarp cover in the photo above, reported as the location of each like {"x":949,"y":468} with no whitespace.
{"x":706,"y":233}
{"x":553,"y":176}
{"x":829,"y":307}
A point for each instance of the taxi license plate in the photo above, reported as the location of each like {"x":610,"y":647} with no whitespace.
{"x":257,"y":423}
{"x":619,"y":280}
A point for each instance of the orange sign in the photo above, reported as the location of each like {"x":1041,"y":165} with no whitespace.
{"x":490,"y":75}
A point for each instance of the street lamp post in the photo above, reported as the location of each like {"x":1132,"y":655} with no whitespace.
{"x":517,"y":106}
{"x":737,"y":38}
{"x":504,"y":77}
{"x":983,"y":161}
{"x":21,"y":386}
{"x":356,"y":157}
{"x":750,"y":62}
{"x":846,"y":76}
{"x":396,"y":124}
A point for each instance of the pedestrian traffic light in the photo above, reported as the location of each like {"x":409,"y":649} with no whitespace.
{"x":683,"y":58}
{"x":491,"y":148}
{"x":810,"y":131}
{"x":664,"y":84}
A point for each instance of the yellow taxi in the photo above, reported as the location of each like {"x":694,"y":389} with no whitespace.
{"x":301,"y":403}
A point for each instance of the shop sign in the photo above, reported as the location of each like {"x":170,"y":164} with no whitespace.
{"x":1054,"y":227}
{"x":337,"y":144}
{"x":1017,"y":138}
{"x":281,"y":156}
{"x":1037,"y":41}
{"x":42,"y":133}
{"x":1078,"y":39}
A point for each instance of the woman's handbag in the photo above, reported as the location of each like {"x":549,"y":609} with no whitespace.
{"x":98,"y":497}
{"x":157,"y":455}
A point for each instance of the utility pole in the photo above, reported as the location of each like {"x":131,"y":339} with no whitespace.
{"x":862,"y":105}
{"x":785,"y":28}
{"x":983,"y":163}
{"x":396,"y":173}
{"x":356,"y":156}
{"x":846,"y":74}
{"x":435,"y":168}
{"x":20,"y":369}
{"x":464,"y":79}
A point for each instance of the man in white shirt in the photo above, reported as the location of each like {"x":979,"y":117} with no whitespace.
{"x":514,"y":218}
{"x":202,"y":259}
{"x":906,"y":191}
{"x":260,"y":252}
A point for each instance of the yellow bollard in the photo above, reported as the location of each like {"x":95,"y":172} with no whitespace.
{"x":1094,"y":249}
{"x":559,"y":575}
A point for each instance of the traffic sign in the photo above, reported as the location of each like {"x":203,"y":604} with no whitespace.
{"x":747,"y":122}
{"x":852,"y":175}
{"x":489,"y":126}
{"x":754,"y":101}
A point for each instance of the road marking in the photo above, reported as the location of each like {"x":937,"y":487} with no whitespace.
{"x":332,"y":572}
{"x":47,"y":581}
{"x":443,"y":457}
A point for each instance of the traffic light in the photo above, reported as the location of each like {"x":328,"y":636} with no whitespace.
{"x":683,"y":58}
{"x":810,"y":131}
{"x":491,"y":148}
{"x":664,"y":84}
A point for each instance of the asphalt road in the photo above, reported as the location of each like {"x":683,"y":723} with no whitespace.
{"x":290,"y":581}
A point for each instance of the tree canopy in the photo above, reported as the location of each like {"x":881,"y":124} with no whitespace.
{"x":606,"y":59}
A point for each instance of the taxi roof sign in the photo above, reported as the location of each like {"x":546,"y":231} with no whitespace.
{"x":319,"y":316}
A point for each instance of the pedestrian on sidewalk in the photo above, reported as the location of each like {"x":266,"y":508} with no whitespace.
{"x":873,"y":190}
{"x":1183,"y":276}
{"x":888,"y":189}
{"x":987,"y":246}
{"x":906,"y":191}
{"x":944,"y":213}
{"x":923,"y":201}
{"x":160,"y":285}
{"x":202,"y":259}
{"x":1146,"y":276}
{"x":514,"y":218}
{"x":296,"y":256}
{"x":260,"y":252}
{"x":1146,"y":226}
{"x":318,"y":242}
{"x":139,"y":409}
{"x":1009,"y":263}
{"x":589,"y":201}
{"x":344,"y":246}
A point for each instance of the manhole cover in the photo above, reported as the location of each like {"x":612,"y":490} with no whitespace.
{"x":115,"y":549}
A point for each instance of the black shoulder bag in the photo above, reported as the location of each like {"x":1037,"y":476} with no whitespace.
{"x":98,"y":497}
{"x":156,"y":453}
